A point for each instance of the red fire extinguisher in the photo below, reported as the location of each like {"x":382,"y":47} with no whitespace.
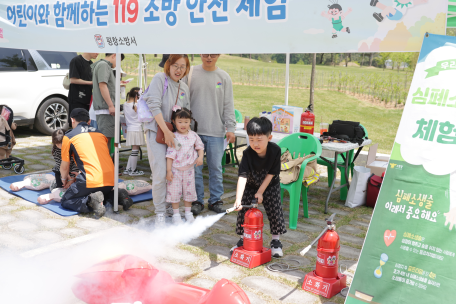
{"x":252,"y":253}
{"x":253,"y":230}
{"x":326,"y":280}
{"x":308,"y":121}
{"x":328,"y":255}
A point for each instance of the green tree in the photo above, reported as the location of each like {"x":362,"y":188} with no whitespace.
{"x":413,"y":60}
{"x":381,"y":60}
{"x":280,"y":58}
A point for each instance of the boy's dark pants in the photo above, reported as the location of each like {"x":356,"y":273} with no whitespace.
{"x":272,"y":205}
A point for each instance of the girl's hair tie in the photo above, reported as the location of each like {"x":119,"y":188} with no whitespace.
{"x":176,"y":108}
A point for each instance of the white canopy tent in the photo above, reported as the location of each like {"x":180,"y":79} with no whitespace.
{"x":220,"y":26}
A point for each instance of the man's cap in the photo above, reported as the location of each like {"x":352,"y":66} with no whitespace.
{"x":80,"y":113}
{"x":164,"y":59}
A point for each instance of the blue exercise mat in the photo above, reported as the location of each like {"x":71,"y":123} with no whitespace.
{"x":32,"y":196}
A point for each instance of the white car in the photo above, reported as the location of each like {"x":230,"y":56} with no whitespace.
{"x":31,"y":85}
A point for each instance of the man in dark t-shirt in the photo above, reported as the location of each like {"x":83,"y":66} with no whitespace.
{"x":80,"y":92}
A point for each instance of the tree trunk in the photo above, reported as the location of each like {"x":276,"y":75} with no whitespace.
{"x":321,"y":58}
{"x":312,"y":81}
{"x":371,"y":59}
{"x":362,"y":62}
{"x":250,"y":56}
{"x":346,"y":61}
{"x":332,"y":59}
{"x":193,"y":57}
{"x":155,"y":55}
{"x":350,"y":57}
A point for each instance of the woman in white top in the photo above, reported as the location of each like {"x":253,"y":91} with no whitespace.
{"x":135,"y":134}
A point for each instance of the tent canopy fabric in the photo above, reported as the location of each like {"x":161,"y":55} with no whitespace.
{"x":235,"y":27}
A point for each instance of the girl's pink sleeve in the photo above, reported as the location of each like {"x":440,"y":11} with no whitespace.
{"x":198,"y":143}
{"x":171,"y":153}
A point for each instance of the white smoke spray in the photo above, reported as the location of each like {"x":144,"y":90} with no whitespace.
{"x":48,"y":278}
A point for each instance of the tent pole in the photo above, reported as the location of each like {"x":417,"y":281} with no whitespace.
{"x":117,"y":134}
{"x":140,"y":82}
{"x":145,"y":71}
{"x":287,"y":78}
{"x":140,"y":78}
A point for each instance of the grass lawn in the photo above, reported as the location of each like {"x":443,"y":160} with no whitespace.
{"x":381,"y":123}
{"x":228,"y":62}
{"x":233,"y":62}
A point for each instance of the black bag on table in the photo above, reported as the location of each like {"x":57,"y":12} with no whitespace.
{"x":346,"y":130}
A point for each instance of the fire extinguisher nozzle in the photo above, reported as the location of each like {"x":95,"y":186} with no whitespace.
{"x":303,"y":253}
{"x":230,"y":210}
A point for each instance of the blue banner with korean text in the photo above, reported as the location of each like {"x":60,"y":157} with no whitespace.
{"x":216,"y":26}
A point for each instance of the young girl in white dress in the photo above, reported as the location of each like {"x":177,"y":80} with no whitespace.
{"x":135,"y":134}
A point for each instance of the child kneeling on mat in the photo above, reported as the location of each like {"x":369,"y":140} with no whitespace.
{"x":180,"y":164}
{"x":259,"y":179}
{"x":57,"y":138}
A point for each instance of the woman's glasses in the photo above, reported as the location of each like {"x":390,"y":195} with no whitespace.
{"x":212,"y":55}
{"x":181,"y":68}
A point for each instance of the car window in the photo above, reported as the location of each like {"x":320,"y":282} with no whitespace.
{"x":12,"y":60}
{"x":31,"y":65}
{"x":58,"y":60}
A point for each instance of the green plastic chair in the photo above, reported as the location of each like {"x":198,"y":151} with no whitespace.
{"x":238,"y":119}
{"x":341,"y":167}
{"x":238,"y":115}
{"x":303,"y":144}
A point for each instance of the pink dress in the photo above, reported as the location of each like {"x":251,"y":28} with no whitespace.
{"x":183,"y":184}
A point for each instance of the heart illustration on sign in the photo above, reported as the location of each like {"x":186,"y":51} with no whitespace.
{"x":389,"y":237}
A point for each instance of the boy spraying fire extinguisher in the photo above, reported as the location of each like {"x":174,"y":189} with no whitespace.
{"x":259,"y":179}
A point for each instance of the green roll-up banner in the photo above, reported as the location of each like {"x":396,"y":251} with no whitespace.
{"x":409,"y":252}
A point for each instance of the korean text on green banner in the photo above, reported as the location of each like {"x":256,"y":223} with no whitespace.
{"x":409,"y":252}
{"x":220,"y":26}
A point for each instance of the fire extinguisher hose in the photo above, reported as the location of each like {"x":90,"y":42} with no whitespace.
{"x":313,"y":243}
{"x":284,"y":265}
{"x":330,"y":220}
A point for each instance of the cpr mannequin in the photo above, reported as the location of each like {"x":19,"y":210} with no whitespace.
{"x":39,"y":182}
{"x":34,"y":182}
{"x":55,"y":195}
{"x":135,"y":187}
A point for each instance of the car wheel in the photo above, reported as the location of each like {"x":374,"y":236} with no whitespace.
{"x":52,"y":115}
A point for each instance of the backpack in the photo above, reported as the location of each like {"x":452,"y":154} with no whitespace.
{"x":66,"y":81}
{"x":346,"y":130}
{"x":373,"y":188}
